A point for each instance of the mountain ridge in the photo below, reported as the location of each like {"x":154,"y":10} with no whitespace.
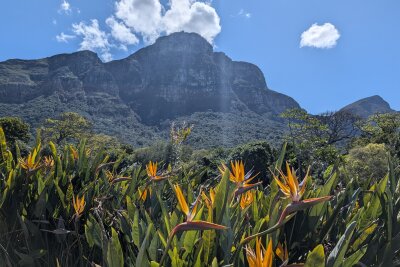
{"x":178,"y":78}
{"x":136,"y":98}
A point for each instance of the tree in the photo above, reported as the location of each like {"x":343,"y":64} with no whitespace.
{"x":312,"y":139}
{"x":341,"y":126}
{"x":382,"y":129}
{"x":70,"y":126}
{"x":15,"y":129}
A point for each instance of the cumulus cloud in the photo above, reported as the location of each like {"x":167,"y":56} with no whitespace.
{"x":145,"y":19}
{"x":65,"y":7}
{"x":121,"y":33}
{"x":320,"y":36}
{"x":93,"y":38}
{"x":142,"y":16}
{"x":189,"y":16}
{"x":64,"y":38}
{"x":150,"y":19}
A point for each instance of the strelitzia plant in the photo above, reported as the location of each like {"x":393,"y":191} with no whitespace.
{"x":246,"y":199}
{"x":190,"y":223}
{"x":154,"y":176}
{"x":32,"y":162}
{"x":294,"y":191}
{"x":74,"y":152}
{"x":209,"y":200}
{"x":79,"y":206}
{"x":152,"y":172}
{"x":282,"y":253}
{"x":261,"y":257}
{"x":48,"y":162}
{"x":238,"y":176}
{"x":112,"y":178}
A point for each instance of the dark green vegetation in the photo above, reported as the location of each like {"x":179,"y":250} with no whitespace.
{"x":70,"y":202}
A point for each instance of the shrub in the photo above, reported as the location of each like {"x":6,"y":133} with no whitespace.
{"x":368,"y":162}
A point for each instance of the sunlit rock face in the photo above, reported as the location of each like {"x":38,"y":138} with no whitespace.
{"x":180,"y":74}
{"x":177,"y":78}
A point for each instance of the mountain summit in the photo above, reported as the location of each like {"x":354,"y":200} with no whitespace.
{"x":178,"y":77}
{"x":368,"y":106}
{"x":180,"y":74}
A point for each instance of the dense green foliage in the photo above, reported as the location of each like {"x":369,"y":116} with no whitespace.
{"x":83,"y":203}
{"x":15,"y":129}
{"x":69,"y":127}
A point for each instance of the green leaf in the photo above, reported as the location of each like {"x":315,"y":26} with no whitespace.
{"x":316,"y":258}
{"x":208,"y":239}
{"x":136,"y":229}
{"x":279,"y":162}
{"x":221,"y":197}
{"x":363,"y":236}
{"x":336,"y":257}
{"x":93,"y":232}
{"x":141,"y":259}
{"x":115,"y":257}
{"x":354,"y":258}
{"x":214,"y":263}
{"x":317,"y":211}
{"x":3,"y":145}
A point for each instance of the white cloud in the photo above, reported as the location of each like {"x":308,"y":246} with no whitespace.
{"x":320,"y":36}
{"x":121,"y":33}
{"x":150,"y":19}
{"x":93,"y":38}
{"x":142,"y":16}
{"x":64,"y":38}
{"x":244,"y":14}
{"x":65,"y":7}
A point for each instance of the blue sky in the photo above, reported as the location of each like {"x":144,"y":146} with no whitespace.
{"x":352,"y":52}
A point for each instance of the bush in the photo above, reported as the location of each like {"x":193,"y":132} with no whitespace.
{"x":369,"y":162}
{"x":259,"y":155}
{"x":15,"y":129}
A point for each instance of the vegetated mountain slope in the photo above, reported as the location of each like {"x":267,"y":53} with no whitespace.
{"x":179,"y":77}
{"x":368,"y":106}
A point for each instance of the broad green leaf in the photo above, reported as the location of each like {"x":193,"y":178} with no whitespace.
{"x":336,"y":257}
{"x":93,"y":232}
{"x":221,"y":197}
{"x":316,"y":258}
{"x":136,"y":229}
{"x":141,"y":259}
{"x":317,"y":211}
{"x":279,"y":162}
{"x":115,"y":257}
{"x":354,"y":258}
{"x":363,"y":236}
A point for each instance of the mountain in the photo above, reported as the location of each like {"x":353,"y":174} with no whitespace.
{"x":177,"y":78}
{"x":368,"y":106}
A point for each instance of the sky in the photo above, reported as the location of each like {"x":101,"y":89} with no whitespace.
{"x":324,"y":54}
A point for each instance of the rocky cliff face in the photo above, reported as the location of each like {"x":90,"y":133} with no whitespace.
{"x":180,"y":74}
{"x":177,"y":76}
